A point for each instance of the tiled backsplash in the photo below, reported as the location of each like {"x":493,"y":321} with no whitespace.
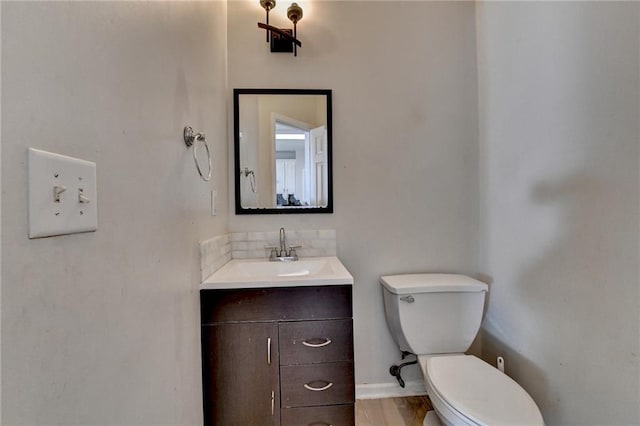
{"x":214,"y":253}
{"x":217,"y":251}
{"x":250,"y":245}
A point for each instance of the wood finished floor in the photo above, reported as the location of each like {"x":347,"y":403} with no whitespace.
{"x":409,"y":411}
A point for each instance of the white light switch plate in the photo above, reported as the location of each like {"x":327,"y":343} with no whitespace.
{"x":62,"y":195}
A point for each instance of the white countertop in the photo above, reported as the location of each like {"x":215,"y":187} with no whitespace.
{"x":261,"y":273}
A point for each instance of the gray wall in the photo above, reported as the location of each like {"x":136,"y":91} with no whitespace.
{"x":102,"y":328}
{"x":559,"y":143}
{"x":405,"y":141}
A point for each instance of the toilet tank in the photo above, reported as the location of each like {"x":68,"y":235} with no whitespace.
{"x":433,"y":313}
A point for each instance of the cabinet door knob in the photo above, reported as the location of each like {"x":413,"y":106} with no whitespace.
{"x":324,"y":388}
{"x":308,"y":343}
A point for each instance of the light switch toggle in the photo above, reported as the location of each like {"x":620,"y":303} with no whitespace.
{"x":81,"y":197}
{"x":57,"y":190}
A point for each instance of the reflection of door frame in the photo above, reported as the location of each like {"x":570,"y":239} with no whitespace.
{"x":277,"y":117}
{"x":318,"y":173}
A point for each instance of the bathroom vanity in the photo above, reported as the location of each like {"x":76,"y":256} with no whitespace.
{"x":277,"y":345}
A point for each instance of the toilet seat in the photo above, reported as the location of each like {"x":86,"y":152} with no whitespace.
{"x":477,"y":392}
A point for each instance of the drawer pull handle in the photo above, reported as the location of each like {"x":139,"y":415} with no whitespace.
{"x":308,"y":343}
{"x":268,"y":350}
{"x":273,"y":402}
{"x":324,"y":388}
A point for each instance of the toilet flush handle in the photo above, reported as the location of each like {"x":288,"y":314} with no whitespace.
{"x":408,"y":299}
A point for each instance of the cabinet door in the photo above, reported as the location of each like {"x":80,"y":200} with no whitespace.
{"x":240,"y":374}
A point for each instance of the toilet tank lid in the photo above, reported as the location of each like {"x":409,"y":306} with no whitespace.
{"x":431,"y":283}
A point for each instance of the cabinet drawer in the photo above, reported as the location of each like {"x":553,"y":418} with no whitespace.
{"x":334,"y":415}
{"x":309,"y":342}
{"x":317,"y":384}
{"x":276,"y":304}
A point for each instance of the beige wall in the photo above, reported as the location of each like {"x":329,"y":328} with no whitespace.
{"x":559,"y":143}
{"x":405,"y":135}
{"x":103,"y":328}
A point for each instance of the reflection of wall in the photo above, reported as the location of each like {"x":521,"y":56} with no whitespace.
{"x":248,"y":110}
{"x":300,"y":108}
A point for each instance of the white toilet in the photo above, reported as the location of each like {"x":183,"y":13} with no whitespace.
{"x":437,"y":317}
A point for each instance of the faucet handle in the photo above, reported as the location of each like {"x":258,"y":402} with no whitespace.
{"x":274,"y":252}
{"x":293,"y":254}
{"x":292,"y":251}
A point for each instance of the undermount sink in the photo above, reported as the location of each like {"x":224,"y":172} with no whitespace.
{"x":253,"y":273}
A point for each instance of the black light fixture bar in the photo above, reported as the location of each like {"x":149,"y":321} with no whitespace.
{"x":281,"y":33}
{"x":282,"y":40}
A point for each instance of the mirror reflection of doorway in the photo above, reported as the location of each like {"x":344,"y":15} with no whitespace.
{"x":291,"y":151}
{"x":301,"y":177}
{"x":292,"y":143}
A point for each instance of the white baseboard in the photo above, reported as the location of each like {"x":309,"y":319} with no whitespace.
{"x":389,"y":390}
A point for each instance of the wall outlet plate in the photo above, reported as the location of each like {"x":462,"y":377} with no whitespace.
{"x":62,"y":194}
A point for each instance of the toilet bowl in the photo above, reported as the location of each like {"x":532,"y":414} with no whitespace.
{"x":467,"y":391}
{"x":436,"y":317}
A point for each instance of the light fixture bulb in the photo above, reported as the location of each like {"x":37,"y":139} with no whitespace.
{"x":268,"y":4}
{"x":294,"y":13}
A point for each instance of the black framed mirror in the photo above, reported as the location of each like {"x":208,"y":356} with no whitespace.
{"x":282,"y":151}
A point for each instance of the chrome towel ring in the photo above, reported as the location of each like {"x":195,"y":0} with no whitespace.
{"x":252,"y":178}
{"x":190,"y":138}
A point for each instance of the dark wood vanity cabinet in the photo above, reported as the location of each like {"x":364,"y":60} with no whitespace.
{"x":230,"y":352}
{"x":278,"y":356}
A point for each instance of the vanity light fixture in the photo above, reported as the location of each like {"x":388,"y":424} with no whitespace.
{"x":282,"y":40}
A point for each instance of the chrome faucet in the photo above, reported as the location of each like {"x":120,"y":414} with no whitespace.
{"x":283,"y":243}
{"x":283,"y":254}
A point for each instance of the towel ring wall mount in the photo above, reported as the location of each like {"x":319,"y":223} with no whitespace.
{"x":190,"y":138}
